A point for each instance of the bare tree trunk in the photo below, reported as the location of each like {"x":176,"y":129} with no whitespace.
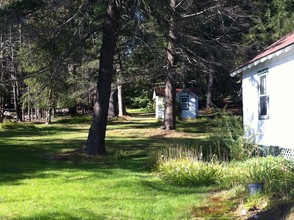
{"x":113,"y":104}
{"x":43,"y":113}
{"x":209,"y":90}
{"x":121,"y":106}
{"x":16,"y":98}
{"x":32,"y":114}
{"x":23,"y":111}
{"x":1,"y":106}
{"x":1,"y":91}
{"x":170,"y":86}
{"x":96,"y":137}
{"x":49,"y":110}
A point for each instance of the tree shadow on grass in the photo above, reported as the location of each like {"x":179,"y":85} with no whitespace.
{"x":132,"y":125}
{"x":39,"y":131}
{"x":21,"y":160}
{"x":194,"y":126}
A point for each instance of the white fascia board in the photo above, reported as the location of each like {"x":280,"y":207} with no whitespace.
{"x":262,"y":59}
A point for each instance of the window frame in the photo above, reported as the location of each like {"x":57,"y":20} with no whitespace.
{"x":263,"y":94}
{"x":186,"y":107}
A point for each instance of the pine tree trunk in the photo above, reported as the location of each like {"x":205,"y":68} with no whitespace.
{"x":1,"y":107}
{"x":49,"y":110}
{"x":16,"y":98}
{"x":1,"y":94}
{"x":113,"y":104}
{"x":170,"y":114}
{"x":38,"y":114}
{"x":29,"y":111}
{"x":170,"y":86}
{"x":96,"y":138}
{"x":23,"y":111}
{"x":209,"y":91}
{"x":121,"y":106}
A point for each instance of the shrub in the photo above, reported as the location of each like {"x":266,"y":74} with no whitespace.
{"x":228,"y":136}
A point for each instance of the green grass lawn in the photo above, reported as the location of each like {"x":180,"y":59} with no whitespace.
{"x":39,"y":179}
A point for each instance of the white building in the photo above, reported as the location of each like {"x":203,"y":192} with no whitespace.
{"x":268,"y":88}
{"x":187,"y":99}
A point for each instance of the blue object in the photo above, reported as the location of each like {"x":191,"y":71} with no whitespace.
{"x":254,"y":188}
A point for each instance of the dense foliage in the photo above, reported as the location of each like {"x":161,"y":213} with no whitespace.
{"x":49,"y":50}
{"x":50,"y":57}
{"x":276,"y":173}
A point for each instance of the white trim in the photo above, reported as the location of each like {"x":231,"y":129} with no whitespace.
{"x":262,"y":59}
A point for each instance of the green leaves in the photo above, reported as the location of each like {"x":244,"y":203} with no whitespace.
{"x":229,"y":136}
{"x":188,"y":172}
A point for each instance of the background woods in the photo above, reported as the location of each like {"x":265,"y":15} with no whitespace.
{"x":72,"y":54}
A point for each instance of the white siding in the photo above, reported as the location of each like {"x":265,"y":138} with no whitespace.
{"x":277,"y":130}
{"x":159,"y":107}
{"x":192,"y":112}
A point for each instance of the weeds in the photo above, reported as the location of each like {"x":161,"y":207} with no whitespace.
{"x":229,"y":137}
{"x":276,"y":173}
{"x":74,"y":120}
{"x":16,"y":125}
{"x":187,"y":172}
{"x":185,"y":166}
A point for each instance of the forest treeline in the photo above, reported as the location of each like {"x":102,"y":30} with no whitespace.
{"x":98,"y":55}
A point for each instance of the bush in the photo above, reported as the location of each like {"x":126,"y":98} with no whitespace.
{"x":228,"y":136}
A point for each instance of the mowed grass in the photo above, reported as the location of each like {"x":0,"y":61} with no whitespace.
{"x":42,"y":178}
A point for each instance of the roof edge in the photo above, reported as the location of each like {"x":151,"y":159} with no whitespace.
{"x":262,"y":59}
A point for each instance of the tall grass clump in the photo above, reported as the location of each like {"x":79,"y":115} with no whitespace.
{"x":16,"y":125}
{"x":231,"y":174}
{"x":228,"y":136}
{"x":182,"y":165}
{"x":187,"y":172}
{"x":276,"y":173}
{"x":185,"y":166}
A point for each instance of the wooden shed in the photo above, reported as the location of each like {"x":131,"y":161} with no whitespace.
{"x":187,"y":99}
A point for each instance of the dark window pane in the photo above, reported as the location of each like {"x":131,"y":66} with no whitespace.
{"x":184,"y":101}
{"x":263,"y":104}
{"x":262,"y":85}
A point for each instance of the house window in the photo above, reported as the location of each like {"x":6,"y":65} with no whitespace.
{"x":184,"y":101}
{"x":263,"y":94}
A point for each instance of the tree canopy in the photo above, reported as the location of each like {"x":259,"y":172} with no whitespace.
{"x":69,"y":54}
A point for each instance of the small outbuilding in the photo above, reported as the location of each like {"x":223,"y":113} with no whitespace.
{"x":267,"y":90}
{"x":187,"y":99}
